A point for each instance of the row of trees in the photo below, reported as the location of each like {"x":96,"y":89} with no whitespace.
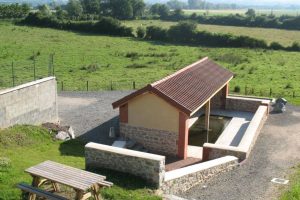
{"x":13,"y":11}
{"x":250,"y":19}
{"x":198,"y":4}
{"x":120,"y":9}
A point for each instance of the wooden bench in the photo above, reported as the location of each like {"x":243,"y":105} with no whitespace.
{"x":33,"y":191}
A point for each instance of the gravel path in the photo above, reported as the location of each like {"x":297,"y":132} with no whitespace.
{"x":90,"y":113}
{"x":276,"y":151}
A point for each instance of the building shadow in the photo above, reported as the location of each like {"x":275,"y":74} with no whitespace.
{"x":99,"y":134}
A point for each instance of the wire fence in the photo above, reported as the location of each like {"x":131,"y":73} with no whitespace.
{"x":16,"y":73}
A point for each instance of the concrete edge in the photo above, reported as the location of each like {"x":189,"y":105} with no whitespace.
{"x":127,"y":152}
{"x":19,"y":87}
{"x":253,"y":98}
{"x":199,"y":167}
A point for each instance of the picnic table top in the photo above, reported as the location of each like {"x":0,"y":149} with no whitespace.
{"x":70,"y":176}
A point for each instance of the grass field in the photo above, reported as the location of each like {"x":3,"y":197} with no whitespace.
{"x":25,"y":146}
{"x":293,"y":193}
{"x":285,"y":37}
{"x":243,"y":11}
{"x":101,"y":59}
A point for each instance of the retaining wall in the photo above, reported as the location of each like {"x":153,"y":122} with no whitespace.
{"x":151,"y":167}
{"x":246,"y":104}
{"x":181,"y":180}
{"x":242,"y":151}
{"x":157,"y":141}
{"x":30,"y":103}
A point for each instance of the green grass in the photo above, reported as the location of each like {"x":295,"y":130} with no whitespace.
{"x":25,"y":146}
{"x":284,"y":37}
{"x":102,"y":59}
{"x":293,"y":193}
{"x":243,"y":11}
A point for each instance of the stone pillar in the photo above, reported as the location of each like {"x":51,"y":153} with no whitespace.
{"x":183,"y":135}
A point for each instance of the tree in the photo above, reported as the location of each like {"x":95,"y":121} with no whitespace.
{"x":138,"y":7}
{"x":74,"y":8}
{"x":250,"y":13}
{"x":140,"y":32}
{"x":121,"y":9}
{"x":160,"y":9}
{"x":196,"y":4}
{"x":91,"y":6}
{"x":44,"y":10}
{"x":175,"y":4}
{"x":60,"y":13}
{"x":184,"y":31}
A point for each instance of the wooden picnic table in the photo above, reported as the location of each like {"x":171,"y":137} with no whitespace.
{"x":84,"y":183}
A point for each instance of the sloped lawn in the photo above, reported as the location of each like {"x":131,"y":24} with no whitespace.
{"x":25,"y":146}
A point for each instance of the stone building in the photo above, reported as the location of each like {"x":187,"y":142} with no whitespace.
{"x":159,"y":115}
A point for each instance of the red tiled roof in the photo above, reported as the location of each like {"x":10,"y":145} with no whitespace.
{"x":188,"y":88}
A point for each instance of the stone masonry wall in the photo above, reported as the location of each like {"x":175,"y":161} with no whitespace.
{"x":156,"y":141}
{"x":183,"y":179}
{"x":151,"y":167}
{"x":30,"y":103}
{"x":243,"y":103}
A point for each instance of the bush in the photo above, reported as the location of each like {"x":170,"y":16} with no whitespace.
{"x":140,"y":32}
{"x":156,"y":33}
{"x":276,"y":46}
{"x":295,"y":47}
{"x":237,"y":89}
{"x":183,"y":31}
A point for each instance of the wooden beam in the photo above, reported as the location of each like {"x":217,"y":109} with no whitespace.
{"x":207,"y":115}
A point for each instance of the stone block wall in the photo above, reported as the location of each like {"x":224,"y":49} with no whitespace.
{"x":151,"y":167}
{"x":244,"y":103}
{"x":156,"y":141}
{"x":30,"y":103}
{"x":181,"y":180}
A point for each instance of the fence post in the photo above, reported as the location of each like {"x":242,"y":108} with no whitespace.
{"x":133,"y":85}
{"x":87,"y":85}
{"x":246,"y":90}
{"x":13,"y":73}
{"x":111,"y":86}
{"x":270,"y":92}
{"x":62,"y":85}
{"x":52,"y":63}
{"x":294,"y":94}
{"x":34,"y":73}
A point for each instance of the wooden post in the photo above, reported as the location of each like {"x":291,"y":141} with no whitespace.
{"x":294,"y":94}
{"x":87,"y":85}
{"x":62,"y":86}
{"x":133,"y":85}
{"x":270,"y":92}
{"x":13,"y":73}
{"x":34,"y":74}
{"x":111,"y":85}
{"x":207,"y":115}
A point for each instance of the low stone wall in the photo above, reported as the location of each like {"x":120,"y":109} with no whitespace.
{"x":151,"y":167}
{"x":181,"y":180}
{"x":246,"y":104}
{"x":30,"y":103}
{"x":242,"y":151}
{"x":156,"y":141}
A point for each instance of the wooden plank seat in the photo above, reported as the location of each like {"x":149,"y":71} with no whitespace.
{"x":105,"y":184}
{"x":39,"y":192}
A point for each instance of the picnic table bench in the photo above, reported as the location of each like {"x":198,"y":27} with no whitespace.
{"x":84,"y":183}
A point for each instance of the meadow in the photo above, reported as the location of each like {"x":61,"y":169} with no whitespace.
{"x":276,"y":12}
{"x":26,"y":146}
{"x":284,"y":37}
{"x":115,"y":62}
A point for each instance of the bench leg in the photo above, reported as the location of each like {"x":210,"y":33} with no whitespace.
{"x":95,"y":191}
{"x":55,"y":187}
{"x":35,"y":183}
{"x":79,"y":195}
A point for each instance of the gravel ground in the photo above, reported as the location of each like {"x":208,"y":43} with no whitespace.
{"x":275,"y":153}
{"x":90,"y":113}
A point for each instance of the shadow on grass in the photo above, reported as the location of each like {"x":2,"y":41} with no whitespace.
{"x":123,"y":180}
{"x":72,"y":148}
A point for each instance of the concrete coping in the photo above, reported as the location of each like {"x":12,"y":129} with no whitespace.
{"x":199,"y":167}
{"x":224,"y":147}
{"x":252,"y":128}
{"x":126,"y":152}
{"x":251,"y":98}
{"x":19,"y":87}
